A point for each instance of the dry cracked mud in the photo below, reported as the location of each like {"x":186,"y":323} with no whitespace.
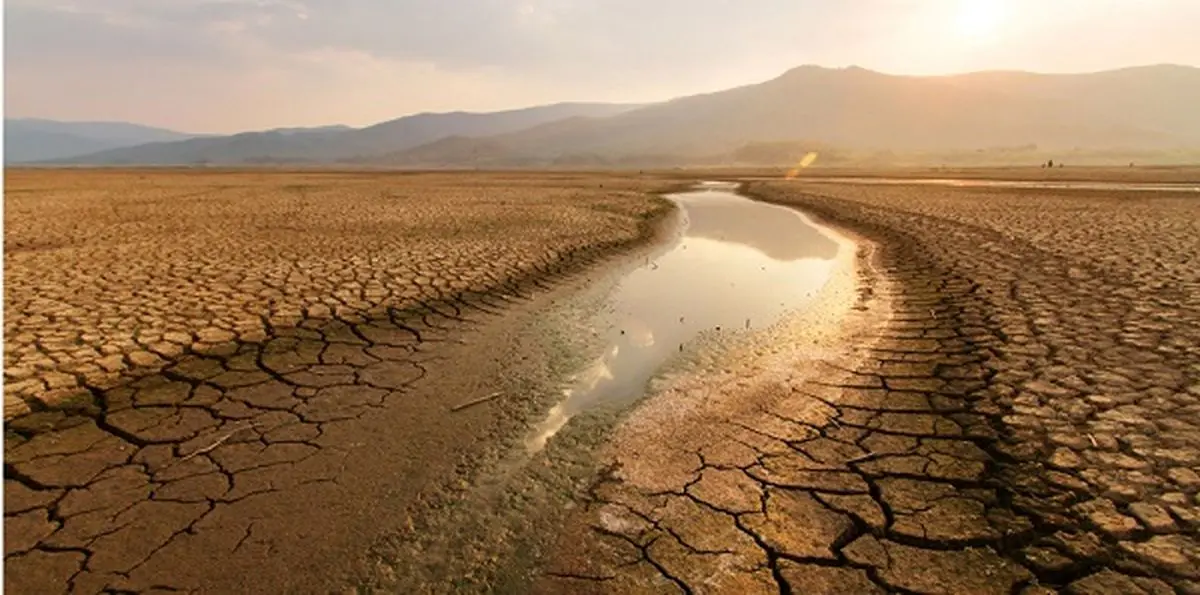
{"x":208,"y":373}
{"x":1014,"y":408}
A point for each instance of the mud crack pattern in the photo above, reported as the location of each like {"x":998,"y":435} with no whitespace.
{"x":1023,"y":420}
{"x":191,"y":358}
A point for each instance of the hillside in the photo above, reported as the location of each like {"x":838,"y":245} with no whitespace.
{"x":1136,"y":109}
{"x":33,"y":139}
{"x":851,"y":114}
{"x":332,"y":144}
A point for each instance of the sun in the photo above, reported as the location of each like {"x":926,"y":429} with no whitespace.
{"x":979,"y":20}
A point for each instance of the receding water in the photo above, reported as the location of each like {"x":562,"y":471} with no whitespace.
{"x":739,"y":264}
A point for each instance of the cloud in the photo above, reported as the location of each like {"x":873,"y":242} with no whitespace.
{"x":223,"y":60}
{"x":207,"y":66}
{"x":530,"y":37}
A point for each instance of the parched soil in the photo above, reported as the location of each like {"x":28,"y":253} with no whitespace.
{"x":227,"y":381}
{"x":1015,"y":408}
{"x":111,"y":274}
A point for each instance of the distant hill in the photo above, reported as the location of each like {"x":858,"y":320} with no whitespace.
{"x":33,"y":139}
{"x":849,"y":115}
{"x":333,"y":144}
{"x":312,"y":129}
{"x":1137,"y":108}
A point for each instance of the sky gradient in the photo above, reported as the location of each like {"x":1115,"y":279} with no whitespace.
{"x":234,"y":65}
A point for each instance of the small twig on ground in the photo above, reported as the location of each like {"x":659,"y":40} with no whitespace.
{"x":214,"y":445}
{"x":1093,"y":439}
{"x":474,"y":402}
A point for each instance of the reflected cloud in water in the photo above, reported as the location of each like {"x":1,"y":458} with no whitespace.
{"x":739,"y":264}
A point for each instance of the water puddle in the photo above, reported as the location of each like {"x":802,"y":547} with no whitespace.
{"x":738,"y":265}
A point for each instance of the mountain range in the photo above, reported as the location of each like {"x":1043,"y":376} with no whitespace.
{"x":335,"y":143}
{"x":34,"y":139}
{"x":1149,"y":108}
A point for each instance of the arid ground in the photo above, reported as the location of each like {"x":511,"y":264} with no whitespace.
{"x":194,"y":361}
{"x":1166,"y":174}
{"x":1013,"y":408}
{"x":236,"y":382}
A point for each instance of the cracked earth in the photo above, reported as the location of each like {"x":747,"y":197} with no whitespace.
{"x":1013,"y":406}
{"x":205,"y":373}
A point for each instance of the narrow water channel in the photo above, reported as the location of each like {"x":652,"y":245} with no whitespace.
{"x":738,"y":265}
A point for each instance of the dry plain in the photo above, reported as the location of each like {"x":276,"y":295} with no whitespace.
{"x":194,"y":360}
{"x":1016,"y":407}
{"x":1164,"y":174}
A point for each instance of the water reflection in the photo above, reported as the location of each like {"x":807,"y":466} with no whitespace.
{"x":739,"y":264}
{"x":775,"y":234}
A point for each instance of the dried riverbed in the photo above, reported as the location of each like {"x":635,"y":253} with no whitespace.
{"x":1012,"y":408}
{"x":738,"y":283}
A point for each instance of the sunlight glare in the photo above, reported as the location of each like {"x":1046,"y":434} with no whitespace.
{"x":979,"y":20}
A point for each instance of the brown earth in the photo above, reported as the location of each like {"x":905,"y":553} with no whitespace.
{"x":1014,"y":408}
{"x":236,"y":381}
{"x":1011,"y":407}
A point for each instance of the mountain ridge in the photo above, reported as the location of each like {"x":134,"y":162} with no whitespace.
{"x":1147,"y":108}
{"x":33,"y":139}
{"x":338,"y":145}
{"x":856,"y":107}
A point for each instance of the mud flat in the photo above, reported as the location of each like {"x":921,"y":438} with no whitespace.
{"x":236,"y":381}
{"x":1012,"y":407}
{"x":1050,"y":184}
{"x":995,"y":390}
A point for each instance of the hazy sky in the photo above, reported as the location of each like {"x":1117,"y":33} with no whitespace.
{"x":230,"y":65}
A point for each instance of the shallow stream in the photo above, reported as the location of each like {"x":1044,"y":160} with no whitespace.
{"x":737,"y":265}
